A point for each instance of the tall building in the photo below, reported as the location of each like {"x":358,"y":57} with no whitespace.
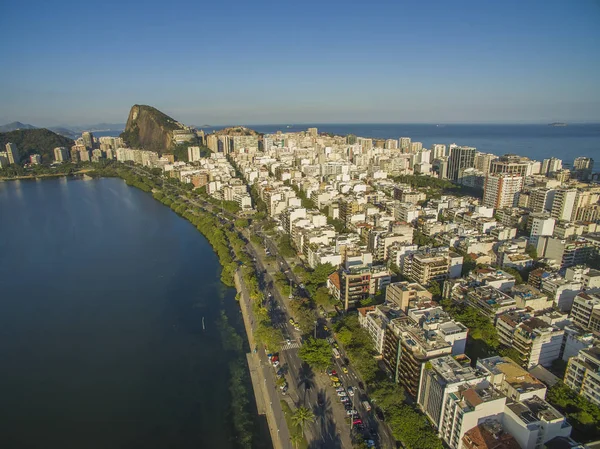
{"x":314,"y":132}
{"x":585,"y":311}
{"x":583,"y":167}
{"x":512,"y":164}
{"x":583,"y":374}
{"x":541,"y":199}
{"x":88,"y":140}
{"x":193,"y":154}
{"x":483,"y":161}
{"x":366,"y":144}
{"x":456,"y":397}
{"x":551,"y":165}
{"x":415,"y":147}
{"x":391,"y":144}
{"x":562,"y":206}
{"x":500,"y":190}
{"x":541,"y":226}
{"x":61,"y":154}
{"x":405,"y":144}
{"x":12,"y":153}
{"x":406,"y":294}
{"x":407,"y":347}
{"x":460,"y":158}
{"x":438,"y":150}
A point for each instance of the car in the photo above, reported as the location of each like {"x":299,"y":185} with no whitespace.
{"x":292,"y":321}
{"x":288,"y":341}
{"x":329,"y":372}
{"x":284,"y":389}
{"x":335,"y":379}
{"x":342,"y":393}
{"x":336,"y":346}
{"x":302,"y":286}
{"x":345,"y":400}
{"x":351,"y":412}
{"x":361,"y":385}
{"x":357,"y":421}
{"x":336,"y":384}
{"x":345,"y":370}
{"x":339,"y":389}
{"x":325,"y":328}
{"x":351,"y":391}
{"x":276,"y":363}
{"x":348,"y":406}
{"x":283,"y":386}
{"x":333,"y":372}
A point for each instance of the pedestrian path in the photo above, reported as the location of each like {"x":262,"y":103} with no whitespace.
{"x":292,"y":345}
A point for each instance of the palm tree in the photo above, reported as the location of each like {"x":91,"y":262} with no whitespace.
{"x":301,"y":416}
{"x":296,"y":439}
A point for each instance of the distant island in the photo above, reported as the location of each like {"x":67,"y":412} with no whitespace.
{"x":557,"y":124}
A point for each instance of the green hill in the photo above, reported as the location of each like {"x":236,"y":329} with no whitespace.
{"x":31,"y":141}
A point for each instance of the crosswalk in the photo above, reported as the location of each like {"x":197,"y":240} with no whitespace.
{"x":282,"y":325}
{"x":292,"y":345}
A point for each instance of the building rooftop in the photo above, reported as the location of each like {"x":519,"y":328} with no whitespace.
{"x":534,"y":410}
{"x":452,"y":371}
{"x":489,"y":435}
{"x":514,"y":375}
{"x":418,"y":339}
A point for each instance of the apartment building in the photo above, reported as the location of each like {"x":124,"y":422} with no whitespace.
{"x":585,"y":311}
{"x":407,"y":346}
{"x":511,"y":379}
{"x":456,"y":397}
{"x":406,"y":294}
{"x":538,"y":342}
{"x":583,"y":374}
{"x":533,"y":422}
{"x":429,"y":265}
{"x":500,"y":190}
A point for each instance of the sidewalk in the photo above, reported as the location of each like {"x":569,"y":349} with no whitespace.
{"x":262,"y":376}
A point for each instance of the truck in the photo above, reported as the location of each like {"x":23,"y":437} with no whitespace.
{"x":366,"y":405}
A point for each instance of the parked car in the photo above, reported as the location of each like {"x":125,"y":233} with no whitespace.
{"x":342,"y":393}
{"x":335,"y":379}
{"x":339,"y":389}
{"x":336,"y":384}
{"x":357,"y":422}
{"x":351,"y":412}
{"x":345,"y":370}
{"x":351,"y":391}
{"x":284,"y":389}
{"x":333,"y":372}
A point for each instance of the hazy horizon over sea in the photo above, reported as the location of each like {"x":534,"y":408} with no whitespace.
{"x":534,"y":141}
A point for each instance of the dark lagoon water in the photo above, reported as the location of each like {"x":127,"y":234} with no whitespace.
{"x":102,"y":294}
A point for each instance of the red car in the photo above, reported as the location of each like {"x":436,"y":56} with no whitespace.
{"x":356,"y":422}
{"x":334,"y":373}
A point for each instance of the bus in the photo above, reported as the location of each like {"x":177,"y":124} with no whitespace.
{"x":336,"y":353}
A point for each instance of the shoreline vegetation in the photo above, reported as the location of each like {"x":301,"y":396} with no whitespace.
{"x":227,"y":243}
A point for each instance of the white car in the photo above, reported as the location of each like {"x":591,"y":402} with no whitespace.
{"x":351,"y":412}
{"x":338,"y":389}
{"x":342,"y":393}
{"x":351,"y":391}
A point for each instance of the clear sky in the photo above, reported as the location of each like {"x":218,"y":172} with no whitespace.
{"x":252,"y":62}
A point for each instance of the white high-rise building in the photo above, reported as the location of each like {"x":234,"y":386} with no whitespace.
{"x":61,"y":154}
{"x":500,"y":190}
{"x":391,"y":144}
{"x":562,"y":206}
{"x":438,"y":150}
{"x":12,"y":153}
{"x":551,"y":165}
{"x":405,"y":144}
{"x":456,"y":397}
{"x":193,"y":154}
{"x":541,"y":226}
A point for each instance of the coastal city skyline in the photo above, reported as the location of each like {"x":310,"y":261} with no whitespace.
{"x":300,"y":225}
{"x":429,"y":62}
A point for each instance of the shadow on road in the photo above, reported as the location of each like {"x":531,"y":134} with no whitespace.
{"x":306,"y":381}
{"x":325,"y":424}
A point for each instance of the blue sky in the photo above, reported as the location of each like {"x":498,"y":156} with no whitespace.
{"x":78,"y":62}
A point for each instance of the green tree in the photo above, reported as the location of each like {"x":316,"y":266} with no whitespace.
{"x":531,"y":250}
{"x":435,"y":289}
{"x":316,"y":352}
{"x":302,"y":416}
